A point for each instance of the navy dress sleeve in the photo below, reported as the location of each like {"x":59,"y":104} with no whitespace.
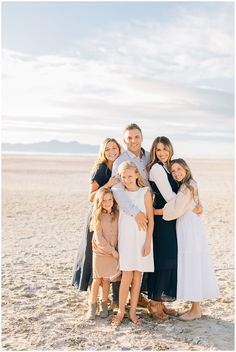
{"x":101,"y":175}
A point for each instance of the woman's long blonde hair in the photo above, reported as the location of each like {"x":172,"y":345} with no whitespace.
{"x":101,"y":156}
{"x":153,"y":158}
{"x":98,"y":209}
{"x":129,"y":165}
{"x":188,"y":180}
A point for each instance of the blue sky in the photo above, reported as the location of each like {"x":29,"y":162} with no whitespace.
{"x":83,"y":70}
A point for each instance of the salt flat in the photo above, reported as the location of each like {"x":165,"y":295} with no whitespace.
{"x":44,"y":205}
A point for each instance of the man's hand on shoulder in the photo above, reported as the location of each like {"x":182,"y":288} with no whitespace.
{"x":141,"y":220}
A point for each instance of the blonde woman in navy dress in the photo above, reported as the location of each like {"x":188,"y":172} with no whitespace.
{"x":101,"y":176}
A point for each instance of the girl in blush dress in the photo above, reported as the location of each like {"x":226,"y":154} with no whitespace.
{"x":196,"y":277}
{"x":105,"y":256}
{"x":134,"y":244}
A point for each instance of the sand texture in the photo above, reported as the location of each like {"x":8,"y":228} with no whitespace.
{"x":44,"y":205}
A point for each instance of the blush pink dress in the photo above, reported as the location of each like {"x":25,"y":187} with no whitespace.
{"x":105,"y":265}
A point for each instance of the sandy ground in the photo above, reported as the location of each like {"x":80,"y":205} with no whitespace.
{"x":44,"y":204}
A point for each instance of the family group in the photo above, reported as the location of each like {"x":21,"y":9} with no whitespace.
{"x":143,"y":235}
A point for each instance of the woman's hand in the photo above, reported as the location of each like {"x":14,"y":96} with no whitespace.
{"x":112,"y":181}
{"x":198,"y":209}
{"x":146,"y":248}
{"x":141,"y":220}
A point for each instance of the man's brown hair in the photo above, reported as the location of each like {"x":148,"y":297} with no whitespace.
{"x":132,"y":126}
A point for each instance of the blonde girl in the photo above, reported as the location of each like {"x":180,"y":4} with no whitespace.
{"x":134,"y":245}
{"x":104,"y":223}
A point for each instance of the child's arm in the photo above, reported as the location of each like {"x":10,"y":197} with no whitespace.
{"x":177,"y":206}
{"x":158,"y":211}
{"x":150,"y":226}
{"x":197,"y":210}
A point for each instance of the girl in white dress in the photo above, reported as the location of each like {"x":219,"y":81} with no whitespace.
{"x":134,"y":244}
{"x":196,"y":277}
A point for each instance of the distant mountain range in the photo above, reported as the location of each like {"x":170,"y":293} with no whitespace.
{"x":53,"y":146}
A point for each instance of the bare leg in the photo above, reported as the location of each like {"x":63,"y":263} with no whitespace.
{"x":105,"y":293}
{"x":126,"y":280}
{"x":94,"y":290}
{"x":93,"y":299}
{"x":196,"y":308}
{"x":135,"y":289}
{"x":105,"y":289}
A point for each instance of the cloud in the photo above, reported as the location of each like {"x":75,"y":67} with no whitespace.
{"x":148,"y":73}
{"x":192,"y":47}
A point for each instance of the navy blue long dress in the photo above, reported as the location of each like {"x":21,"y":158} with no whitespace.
{"x":162,"y":283}
{"x":82,"y":270}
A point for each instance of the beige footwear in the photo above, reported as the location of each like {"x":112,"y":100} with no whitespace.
{"x":117,"y":319}
{"x":190,"y":316}
{"x":92,"y":311}
{"x":103,"y":310}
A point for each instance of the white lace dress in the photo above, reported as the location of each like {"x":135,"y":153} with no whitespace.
{"x":195,"y":278}
{"x":131,"y":239}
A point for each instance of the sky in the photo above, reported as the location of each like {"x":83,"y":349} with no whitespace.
{"x":82,"y":71}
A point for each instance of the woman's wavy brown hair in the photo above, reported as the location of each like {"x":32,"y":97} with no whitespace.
{"x":188,"y":180}
{"x":153,"y":158}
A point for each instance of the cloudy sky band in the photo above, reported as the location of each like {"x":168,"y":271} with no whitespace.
{"x":167,"y":67}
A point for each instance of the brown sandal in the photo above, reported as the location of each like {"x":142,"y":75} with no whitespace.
{"x":142,"y":301}
{"x":170,"y":311}
{"x":117,"y":320}
{"x":156,"y":310}
{"x":135,"y":320}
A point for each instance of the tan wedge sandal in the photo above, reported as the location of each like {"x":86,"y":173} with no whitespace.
{"x":156,"y":310}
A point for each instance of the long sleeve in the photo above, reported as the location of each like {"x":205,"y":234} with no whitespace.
{"x":123,"y":201}
{"x":178,"y":205}
{"x":102,"y":244}
{"x":158,"y":175}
